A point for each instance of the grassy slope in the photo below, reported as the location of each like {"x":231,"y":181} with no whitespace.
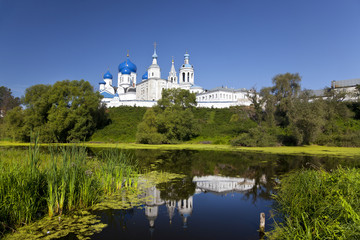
{"x":123,"y":126}
{"x":215,"y":125}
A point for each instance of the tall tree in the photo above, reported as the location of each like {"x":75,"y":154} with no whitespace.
{"x":306,"y":118}
{"x":285,"y":88}
{"x":7,"y":101}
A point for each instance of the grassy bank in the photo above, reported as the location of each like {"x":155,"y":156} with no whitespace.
{"x":216,"y":126}
{"x":314,"y":204}
{"x":35,"y":184}
{"x":297,"y":150}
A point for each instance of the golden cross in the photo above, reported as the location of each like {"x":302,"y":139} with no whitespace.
{"x":127,"y":53}
{"x":155,"y":45}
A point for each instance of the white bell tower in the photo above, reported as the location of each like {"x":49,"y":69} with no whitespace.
{"x":186,"y":75}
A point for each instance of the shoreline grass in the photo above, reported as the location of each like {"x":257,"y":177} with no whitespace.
{"x":38,"y":184}
{"x":283,"y":150}
{"x":315,"y":204}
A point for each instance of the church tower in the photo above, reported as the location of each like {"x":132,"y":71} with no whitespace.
{"x":106,"y":84}
{"x":186,"y":75}
{"x":154,"y":69}
{"x":171,"y":205}
{"x":172,"y":74}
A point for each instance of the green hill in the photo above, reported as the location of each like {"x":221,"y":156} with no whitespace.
{"x":216,"y":126}
{"x":122,"y":127}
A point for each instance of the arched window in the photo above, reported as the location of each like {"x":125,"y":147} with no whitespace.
{"x":183,"y":77}
{"x":152,"y":74}
{"x":188,"y":75}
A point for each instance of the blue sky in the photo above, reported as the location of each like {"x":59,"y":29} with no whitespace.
{"x":233,"y":43}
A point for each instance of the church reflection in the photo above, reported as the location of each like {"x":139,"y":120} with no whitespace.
{"x":212,"y":184}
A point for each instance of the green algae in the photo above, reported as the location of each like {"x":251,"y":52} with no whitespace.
{"x":85,"y":223}
{"x":311,"y":150}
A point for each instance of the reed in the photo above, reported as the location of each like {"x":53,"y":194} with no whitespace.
{"x":57,"y":182}
{"x":315,"y":204}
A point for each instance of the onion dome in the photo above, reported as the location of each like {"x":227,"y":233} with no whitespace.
{"x":125,"y":70}
{"x":108,"y":75}
{"x":145,"y":76}
{"x":128,"y":64}
{"x":186,"y":55}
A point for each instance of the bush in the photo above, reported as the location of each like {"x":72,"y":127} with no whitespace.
{"x":256,"y":137}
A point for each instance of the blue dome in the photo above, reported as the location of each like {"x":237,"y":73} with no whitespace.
{"x":102,"y":82}
{"x":125,"y":70}
{"x":145,"y":76}
{"x":108,"y":75}
{"x":186,"y":55}
{"x":128,"y":64}
{"x":107,"y":95}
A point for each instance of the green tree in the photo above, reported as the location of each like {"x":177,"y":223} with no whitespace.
{"x":257,"y":103}
{"x":286,"y":88}
{"x":172,"y":120}
{"x":306,"y":118}
{"x":7,"y":101}
{"x":269,"y":101}
{"x":177,"y":98}
{"x":65,"y":112}
{"x":147,"y":130}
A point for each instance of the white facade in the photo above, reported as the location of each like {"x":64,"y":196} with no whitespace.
{"x":147,"y":92}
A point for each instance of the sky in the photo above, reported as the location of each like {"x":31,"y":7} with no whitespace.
{"x":232,"y":43}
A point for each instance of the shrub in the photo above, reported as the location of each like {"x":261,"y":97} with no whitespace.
{"x":256,"y":137}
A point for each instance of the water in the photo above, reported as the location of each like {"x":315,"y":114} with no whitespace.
{"x":220,"y":197}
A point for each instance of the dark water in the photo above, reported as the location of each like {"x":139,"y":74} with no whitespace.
{"x":221,"y":196}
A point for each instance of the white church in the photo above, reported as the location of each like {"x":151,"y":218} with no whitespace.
{"x":127,"y":92}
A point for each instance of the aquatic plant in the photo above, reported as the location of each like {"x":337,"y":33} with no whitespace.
{"x":57,"y":182}
{"x":315,"y":204}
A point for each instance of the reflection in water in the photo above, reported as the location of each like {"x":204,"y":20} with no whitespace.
{"x":213,"y":184}
{"x":209,"y":178}
{"x":183,"y":206}
{"x":220,"y":184}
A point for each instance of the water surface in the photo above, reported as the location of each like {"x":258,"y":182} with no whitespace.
{"x":220,"y":197}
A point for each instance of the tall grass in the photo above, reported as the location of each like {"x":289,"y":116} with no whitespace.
{"x":319,"y":205}
{"x":57,"y":182}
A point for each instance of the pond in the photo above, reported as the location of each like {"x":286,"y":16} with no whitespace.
{"x":220,"y":196}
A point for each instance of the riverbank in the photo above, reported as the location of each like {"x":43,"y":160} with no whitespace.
{"x":315,"y":204}
{"x":283,"y":150}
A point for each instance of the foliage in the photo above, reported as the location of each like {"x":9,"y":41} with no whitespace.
{"x":7,"y":101}
{"x":298,"y":117}
{"x":57,"y":182}
{"x":171,"y":121}
{"x":306,"y":119}
{"x":68,"y":111}
{"x":318,"y":205}
{"x":285,"y":88}
{"x":147,"y":130}
{"x":176,"y":98}
{"x":256,"y":137}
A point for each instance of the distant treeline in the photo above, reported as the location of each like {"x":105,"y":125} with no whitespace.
{"x":279,"y":115}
